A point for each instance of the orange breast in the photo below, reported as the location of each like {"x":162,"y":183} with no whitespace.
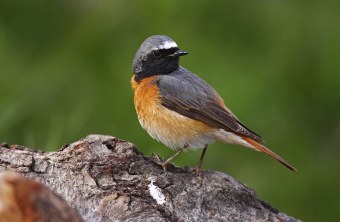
{"x":172,"y":129}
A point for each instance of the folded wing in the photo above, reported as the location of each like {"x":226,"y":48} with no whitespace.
{"x":190,"y":96}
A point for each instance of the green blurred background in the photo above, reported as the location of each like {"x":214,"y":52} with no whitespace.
{"x":65,"y":69}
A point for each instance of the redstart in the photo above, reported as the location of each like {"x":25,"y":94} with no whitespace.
{"x":181,"y":110}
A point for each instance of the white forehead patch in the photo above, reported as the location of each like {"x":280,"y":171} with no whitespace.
{"x":167,"y":45}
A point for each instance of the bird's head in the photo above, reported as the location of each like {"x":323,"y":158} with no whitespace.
{"x":158,"y":55}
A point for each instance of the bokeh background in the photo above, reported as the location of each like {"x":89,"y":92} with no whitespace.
{"x":65,"y":69}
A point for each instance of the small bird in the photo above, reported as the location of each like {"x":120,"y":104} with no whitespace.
{"x":181,"y":110}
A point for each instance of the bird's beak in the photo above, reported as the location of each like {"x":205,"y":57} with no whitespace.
{"x":179,"y":53}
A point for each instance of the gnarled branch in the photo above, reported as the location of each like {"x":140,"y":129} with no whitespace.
{"x":108,"y":179}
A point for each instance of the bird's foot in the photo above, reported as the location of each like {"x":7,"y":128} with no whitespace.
{"x":197,"y":171}
{"x":160,"y":161}
{"x":163,"y":164}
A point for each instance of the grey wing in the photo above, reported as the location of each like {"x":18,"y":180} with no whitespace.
{"x":189,"y":95}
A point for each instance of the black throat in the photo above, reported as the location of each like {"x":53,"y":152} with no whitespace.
{"x":163,"y":68}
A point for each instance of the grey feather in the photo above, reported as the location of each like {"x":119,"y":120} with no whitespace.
{"x":189,"y":95}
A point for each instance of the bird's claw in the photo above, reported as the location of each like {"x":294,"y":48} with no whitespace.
{"x":160,"y":162}
{"x":197,"y":171}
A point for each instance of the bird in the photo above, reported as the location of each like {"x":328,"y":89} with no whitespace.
{"x":181,"y":110}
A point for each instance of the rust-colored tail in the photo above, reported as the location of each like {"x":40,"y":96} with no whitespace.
{"x":267,"y":151}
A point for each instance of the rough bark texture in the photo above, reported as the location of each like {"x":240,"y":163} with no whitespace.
{"x":107,"y":179}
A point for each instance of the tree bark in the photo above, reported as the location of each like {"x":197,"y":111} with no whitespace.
{"x":108,"y":179}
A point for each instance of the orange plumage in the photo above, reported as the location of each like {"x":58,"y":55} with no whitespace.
{"x":174,"y":130}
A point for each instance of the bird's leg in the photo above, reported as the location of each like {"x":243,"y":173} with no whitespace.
{"x":197,"y":169}
{"x":165,"y":163}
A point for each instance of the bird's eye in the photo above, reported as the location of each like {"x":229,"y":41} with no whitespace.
{"x":157,"y":53}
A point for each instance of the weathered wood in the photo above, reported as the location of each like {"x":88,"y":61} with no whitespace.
{"x":108,"y":179}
